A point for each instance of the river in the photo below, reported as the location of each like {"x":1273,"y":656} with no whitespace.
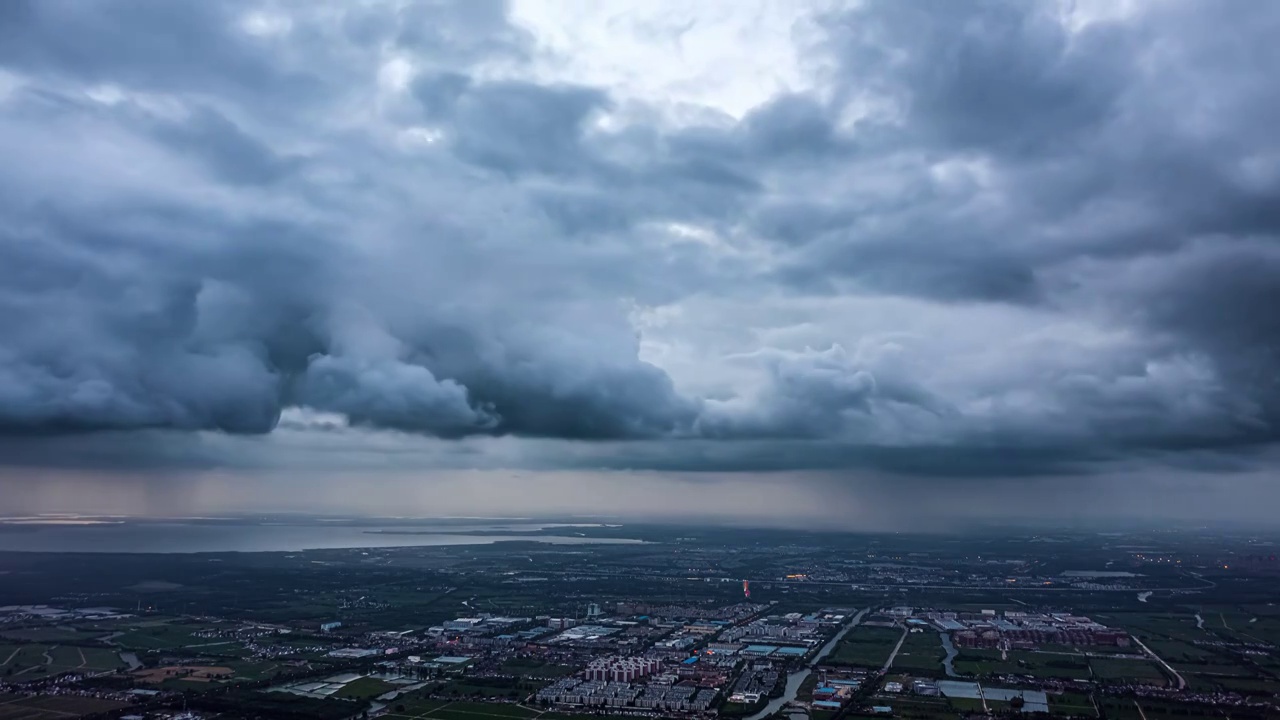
{"x":797,"y":678}
{"x":127,"y":536}
{"x":951,"y":655}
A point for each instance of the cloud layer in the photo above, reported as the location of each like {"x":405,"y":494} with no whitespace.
{"x":965,"y":238}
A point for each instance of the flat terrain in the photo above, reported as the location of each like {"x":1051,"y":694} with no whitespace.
{"x":445,"y":710}
{"x":52,"y":707}
{"x":363,"y":688}
{"x":865,"y":647}
{"x":34,"y":661}
{"x":210,"y":625}
{"x":190,"y":673}
{"x":921,"y":654}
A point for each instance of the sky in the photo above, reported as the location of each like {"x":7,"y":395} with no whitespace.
{"x":834,"y":262}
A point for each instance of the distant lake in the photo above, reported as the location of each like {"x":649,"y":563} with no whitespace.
{"x":127,"y":536}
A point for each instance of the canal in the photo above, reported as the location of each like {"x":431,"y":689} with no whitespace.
{"x":797,"y":678}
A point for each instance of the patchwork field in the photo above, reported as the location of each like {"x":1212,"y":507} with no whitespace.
{"x":865,"y":647}
{"x":1209,"y":652}
{"x":982,"y":663}
{"x":190,"y":673}
{"x":52,"y":707}
{"x":366,"y":687}
{"x":51,"y":635}
{"x":445,"y":710}
{"x":921,"y":654}
{"x":34,"y":661}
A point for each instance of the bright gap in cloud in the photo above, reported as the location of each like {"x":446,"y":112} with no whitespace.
{"x":731,"y":56}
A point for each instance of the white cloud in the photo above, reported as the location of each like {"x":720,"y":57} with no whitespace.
{"x":731,"y":55}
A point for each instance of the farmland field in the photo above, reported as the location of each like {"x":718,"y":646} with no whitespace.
{"x":34,"y":661}
{"x":366,"y":687}
{"x":921,"y":653}
{"x":865,"y":647}
{"x":1041,"y":665}
{"x":444,"y":710}
{"x":1133,"y":670}
{"x":52,"y":707}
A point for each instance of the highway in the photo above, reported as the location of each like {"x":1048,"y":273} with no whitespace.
{"x":1182,"y":684}
{"x":871,"y":587}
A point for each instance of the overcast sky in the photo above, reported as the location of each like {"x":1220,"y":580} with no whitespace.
{"x":784,"y":249}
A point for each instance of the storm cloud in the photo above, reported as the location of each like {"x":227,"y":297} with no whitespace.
{"x":966,"y":238}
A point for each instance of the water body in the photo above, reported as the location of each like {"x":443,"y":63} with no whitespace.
{"x":192,"y":537}
{"x":797,"y":678}
{"x":131,"y":659}
{"x":951,"y":655}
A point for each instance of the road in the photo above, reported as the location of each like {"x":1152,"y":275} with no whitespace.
{"x":877,"y":587}
{"x":1182,"y":684}
{"x":889,"y":663}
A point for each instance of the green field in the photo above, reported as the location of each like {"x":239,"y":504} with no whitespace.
{"x":1206,"y":667}
{"x":254,"y":670}
{"x":445,"y":710}
{"x":1131,"y":670}
{"x":921,"y":653}
{"x":363,"y":688}
{"x":919,"y":708}
{"x":50,"y":635}
{"x":284,"y":706}
{"x":33,"y":661}
{"x":865,"y":647}
{"x":1020,"y":662}
{"x":1176,"y":626}
{"x":166,"y":636}
{"x":52,"y":707}
{"x":1070,"y":704}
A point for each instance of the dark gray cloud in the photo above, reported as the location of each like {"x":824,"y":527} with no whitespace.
{"x":991,"y":240}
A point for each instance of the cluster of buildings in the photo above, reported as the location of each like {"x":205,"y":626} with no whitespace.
{"x":794,"y":629}
{"x":669,"y":659}
{"x":732,"y":613}
{"x":1008,"y":630}
{"x":265,"y":641}
{"x":585,"y":634}
{"x":836,"y":687}
{"x":685,"y":696}
{"x":621,"y":669}
{"x":487,"y":631}
{"x":834,"y":694}
{"x":682,"y":657}
{"x":757,"y":680}
{"x":356,"y":653}
{"x":1023,"y":630}
{"x":478,"y":625}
